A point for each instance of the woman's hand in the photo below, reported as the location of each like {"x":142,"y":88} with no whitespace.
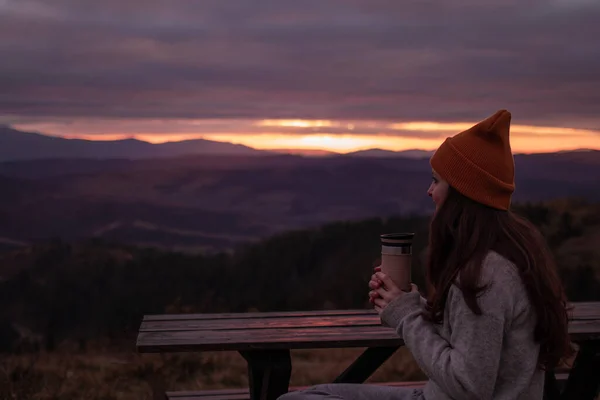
{"x":384,"y":290}
{"x":374,"y":283}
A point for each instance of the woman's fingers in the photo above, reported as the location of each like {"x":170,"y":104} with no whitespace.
{"x":377,"y":291}
{"x":375,"y":278}
{"x":384,"y":294}
{"x":374,"y":284}
{"x":379,"y":302}
{"x":386,"y":281}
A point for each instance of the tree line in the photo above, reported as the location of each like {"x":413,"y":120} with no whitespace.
{"x":93,"y":289}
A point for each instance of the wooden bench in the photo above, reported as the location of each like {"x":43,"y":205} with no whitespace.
{"x":266,"y":339}
{"x":244,"y":394}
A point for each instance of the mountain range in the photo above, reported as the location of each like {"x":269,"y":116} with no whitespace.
{"x":215,"y":201}
{"x":17,"y":145}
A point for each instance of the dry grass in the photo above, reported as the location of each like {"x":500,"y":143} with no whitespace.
{"x":102,"y":375}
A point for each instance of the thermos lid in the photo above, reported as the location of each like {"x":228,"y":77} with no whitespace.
{"x":397,"y":236}
{"x":397,"y":239}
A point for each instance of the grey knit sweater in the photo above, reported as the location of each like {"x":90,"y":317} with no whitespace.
{"x":491,"y":356}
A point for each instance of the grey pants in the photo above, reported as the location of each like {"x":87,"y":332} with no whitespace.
{"x":350,"y":391}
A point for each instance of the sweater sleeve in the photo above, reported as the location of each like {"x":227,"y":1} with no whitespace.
{"x":466,"y":366}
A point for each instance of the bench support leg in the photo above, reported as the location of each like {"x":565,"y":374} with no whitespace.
{"x":551,"y":390}
{"x":366,"y":364}
{"x":269,"y":373}
{"x":584,"y":379}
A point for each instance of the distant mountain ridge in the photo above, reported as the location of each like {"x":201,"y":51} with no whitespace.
{"x":217,"y":202}
{"x":17,"y":145}
{"x":380,"y":153}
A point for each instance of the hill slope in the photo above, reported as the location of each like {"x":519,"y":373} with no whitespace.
{"x":379,"y":153}
{"x":17,"y":145}
{"x":319,"y":268}
{"x":217,"y":202}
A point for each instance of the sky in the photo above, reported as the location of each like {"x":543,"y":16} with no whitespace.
{"x":340,"y":75}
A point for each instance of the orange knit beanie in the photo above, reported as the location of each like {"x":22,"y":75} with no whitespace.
{"x":479,"y":163}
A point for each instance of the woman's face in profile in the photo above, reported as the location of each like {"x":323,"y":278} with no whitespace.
{"x":438,"y":190}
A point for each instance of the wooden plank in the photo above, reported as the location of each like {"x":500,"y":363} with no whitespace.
{"x":586,"y":326}
{"x":305,"y":338}
{"x":299,"y":338}
{"x":584,"y":330}
{"x":244,"y":394}
{"x":197,"y":395}
{"x":261,"y":323}
{"x":583,"y":311}
{"x":205,"y":316}
{"x":277,"y":334}
{"x":297,"y":330}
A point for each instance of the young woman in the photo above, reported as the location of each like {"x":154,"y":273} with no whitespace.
{"x":495,"y":315}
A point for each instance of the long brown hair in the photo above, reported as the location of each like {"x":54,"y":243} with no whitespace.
{"x":462,"y":233}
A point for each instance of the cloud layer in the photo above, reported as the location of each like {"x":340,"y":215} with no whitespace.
{"x":436,"y":60}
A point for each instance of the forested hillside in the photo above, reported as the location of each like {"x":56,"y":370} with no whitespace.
{"x":71,"y":310}
{"x":61,"y":291}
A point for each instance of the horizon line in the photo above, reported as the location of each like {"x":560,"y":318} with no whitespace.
{"x":304,"y":136}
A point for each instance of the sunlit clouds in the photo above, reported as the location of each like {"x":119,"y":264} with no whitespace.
{"x":324,"y":75}
{"x":297,"y":123}
{"x":324,"y":66}
{"x":331,"y":135}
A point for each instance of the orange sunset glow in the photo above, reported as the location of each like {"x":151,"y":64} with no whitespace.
{"x":327,"y":135}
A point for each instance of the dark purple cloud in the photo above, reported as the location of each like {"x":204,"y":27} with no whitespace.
{"x":439,"y":60}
